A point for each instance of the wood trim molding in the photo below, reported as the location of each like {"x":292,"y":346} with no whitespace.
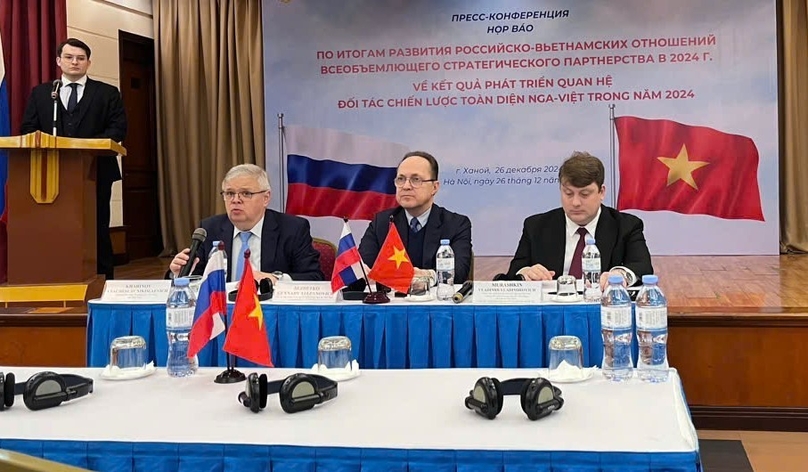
{"x":28,"y":320}
{"x":750,"y":418}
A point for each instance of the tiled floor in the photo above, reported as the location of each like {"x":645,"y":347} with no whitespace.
{"x":768,"y":451}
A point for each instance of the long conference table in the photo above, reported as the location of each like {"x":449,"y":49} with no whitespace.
{"x":397,"y":335}
{"x":384,"y":420}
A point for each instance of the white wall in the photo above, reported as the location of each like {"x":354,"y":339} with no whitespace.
{"x":96,"y":22}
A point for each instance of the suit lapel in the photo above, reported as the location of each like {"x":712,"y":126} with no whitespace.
{"x":90,"y":88}
{"x":606,"y":238}
{"x":432,"y":236}
{"x":270,"y":233}
{"x":403,"y":227}
{"x":557,"y":243}
{"x":226,"y":230}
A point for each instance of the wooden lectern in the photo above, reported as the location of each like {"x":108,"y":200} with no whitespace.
{"x":52,"y":215}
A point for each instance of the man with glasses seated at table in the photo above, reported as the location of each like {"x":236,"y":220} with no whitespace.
{"x":420,"y":222}
{"x":552,"y":243}
{"x":280,"y":245}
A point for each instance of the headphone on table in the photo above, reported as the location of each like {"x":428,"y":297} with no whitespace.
{"x":298,"y":392}
{"x":264,"y":289}
{"x":43,"y":390}
{"x":538,"y":396}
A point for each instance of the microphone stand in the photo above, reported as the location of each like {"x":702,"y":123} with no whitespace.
{"x":57,"y":84}
{"x":230,"y":374}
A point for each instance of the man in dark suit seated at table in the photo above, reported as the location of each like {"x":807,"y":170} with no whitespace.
{"x":280,"y":245}
{"x":552,"y":242}
{"x":87,"y":108}
{"x":420,"y":222}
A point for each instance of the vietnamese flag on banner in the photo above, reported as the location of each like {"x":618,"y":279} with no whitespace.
{"x":393,"y":266}
{"x":665,"y":165}
{"x":247,"y":337}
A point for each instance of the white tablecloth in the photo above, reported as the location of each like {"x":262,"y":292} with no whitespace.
{"x":403,"y":409}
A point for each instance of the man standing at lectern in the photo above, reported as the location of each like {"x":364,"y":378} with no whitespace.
{"x":86,"y":108}
{"x":552,"y":243}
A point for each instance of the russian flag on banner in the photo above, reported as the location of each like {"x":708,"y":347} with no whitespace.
{"x":211,"y":304}
{"x":5,"y":130}
{"x":347,"y":268}
{"x":331,"y":173}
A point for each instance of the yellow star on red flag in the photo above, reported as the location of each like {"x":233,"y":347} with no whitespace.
{"x":681,"y":168}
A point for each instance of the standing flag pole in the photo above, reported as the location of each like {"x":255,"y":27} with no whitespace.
{"x":230,"y":374}
{"x":613,"y":156}
{"x":282,"y":162}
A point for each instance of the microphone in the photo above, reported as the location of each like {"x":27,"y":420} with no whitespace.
{"x":57,"y":84}
{"x":465,"y":291}
{"x":197,"y":239}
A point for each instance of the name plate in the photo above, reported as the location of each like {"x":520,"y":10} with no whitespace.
{"x":303,"y":292}
{"x":507,"y":293}
{"x":141,"y":291}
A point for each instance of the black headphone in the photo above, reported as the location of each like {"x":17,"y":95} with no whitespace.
{"x":298,"y":392}
{"x":264,"y":288}
{"x":539,"y":397}
{"x":43,"y":390}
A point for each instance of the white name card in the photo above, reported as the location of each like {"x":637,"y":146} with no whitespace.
{"x":141,"y":291}
{"x":303,"y":292}
{"x":507,"y":292}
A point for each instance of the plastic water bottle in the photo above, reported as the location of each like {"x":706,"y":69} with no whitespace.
{"x":590,"y":263}
{"x":179,"y":319}
{"x":615,"y":327}
{"x":652,"y":331}
{"x":445,"y":268}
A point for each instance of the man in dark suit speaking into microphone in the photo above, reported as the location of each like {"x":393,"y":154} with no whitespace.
{"x":552,"y":242}
{"x":420,"y":222}
{"x":280,"y":245}
{"x":86,"y":108}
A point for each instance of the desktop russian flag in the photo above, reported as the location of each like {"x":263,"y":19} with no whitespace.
{"x":347,"y":269}
{"x":211,"y":304}
{"x":331,"y":173}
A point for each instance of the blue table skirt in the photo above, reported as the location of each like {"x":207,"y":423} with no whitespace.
{"x":162,"y":457}
{"x":395,"y":336}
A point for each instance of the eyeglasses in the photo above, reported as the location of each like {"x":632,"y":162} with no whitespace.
{"x":244,"y":195}
{"x":68,"y":58}
{"x":415,"y":181}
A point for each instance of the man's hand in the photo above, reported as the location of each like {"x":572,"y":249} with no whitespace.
{"x":537,"y":272}
{"x":180,"y":260}
{"x":259,"y":276}
{"x":604,"y":278}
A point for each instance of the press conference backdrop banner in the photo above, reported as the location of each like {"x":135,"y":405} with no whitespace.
{"x":501,"y":95}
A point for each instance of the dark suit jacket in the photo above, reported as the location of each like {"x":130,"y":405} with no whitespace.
{"x":442,"y":224}
{"x":286,"y":245}
{"x":100,"y":115}
{"x":619,"y":238}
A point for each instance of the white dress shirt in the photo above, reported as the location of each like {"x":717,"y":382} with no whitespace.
{"x":572,"y":238}
{"x":423,"y":218}
{"x":65,"y":90}
{"x":254,"y":245}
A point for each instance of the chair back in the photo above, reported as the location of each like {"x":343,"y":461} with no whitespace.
{"x":328,"y":254}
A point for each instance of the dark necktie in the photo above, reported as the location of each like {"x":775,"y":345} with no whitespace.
{"x":73,"y":100}
{"x":575,"y":266}
{"x":415,"y":225}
